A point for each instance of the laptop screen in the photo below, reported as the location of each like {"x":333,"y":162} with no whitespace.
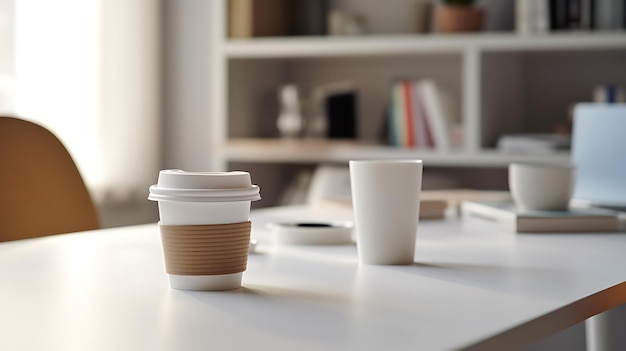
{"x":599,"y":154}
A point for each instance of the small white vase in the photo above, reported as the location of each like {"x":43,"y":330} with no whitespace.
{"x":289,"y":120}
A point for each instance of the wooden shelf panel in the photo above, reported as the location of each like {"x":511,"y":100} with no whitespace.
{"x":324,"y":151}
{"x":377,"y":45}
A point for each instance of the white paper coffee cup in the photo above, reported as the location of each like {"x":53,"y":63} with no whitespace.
{"x":204,"y":198}
{"x":386,"y":200}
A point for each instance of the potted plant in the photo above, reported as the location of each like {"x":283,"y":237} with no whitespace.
{"x":458,"y":16}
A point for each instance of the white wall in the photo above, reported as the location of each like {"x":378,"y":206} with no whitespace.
{"x":186,"y":94}
{"x":89,"y":70}
{"x":6,"y":36}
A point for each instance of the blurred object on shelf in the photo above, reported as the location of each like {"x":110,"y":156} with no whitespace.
{"x":533,"y":143}
{"x":341,"y":115}
{"x":542,"y":16}
{"x":345,"y":23}
{"x":310,"y":17}
{"x":255,"y":18}
{"x":333,"y":112}
{"x":609,"y":94}
{"x":457,"y":136}
{"x":289,"y":122}
{"x":603,"y":15}
{"x":456,"y":16}
{"x":532,"y":17}
{"x":565,"y":16}
{"x":423,"y":17}
{"x":318,"y":111}
{"x":609,"y":14}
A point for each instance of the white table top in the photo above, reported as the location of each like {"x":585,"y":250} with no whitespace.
{"x":471,"y":287}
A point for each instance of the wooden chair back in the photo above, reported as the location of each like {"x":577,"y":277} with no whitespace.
{"x":41,"y":190}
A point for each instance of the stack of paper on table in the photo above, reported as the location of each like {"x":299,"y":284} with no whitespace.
{"x":429,"y":209}
{"x":435,"y":203}
{"x":507,"y":216}
{"x":454,"y":197}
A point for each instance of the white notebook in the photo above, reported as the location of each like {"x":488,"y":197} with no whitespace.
{"x":508,"y":217}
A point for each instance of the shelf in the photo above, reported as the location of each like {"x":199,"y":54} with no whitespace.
{"x":319,"y":151}
{"x":376,"y":45}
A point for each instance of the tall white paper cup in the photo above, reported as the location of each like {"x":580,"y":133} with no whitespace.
{"x":203,"y":198}
{"x":386,"y":200}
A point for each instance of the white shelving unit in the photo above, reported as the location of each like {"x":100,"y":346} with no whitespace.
{"x":469,"y":49}
{"x":504,"y":83}
{"x":315,"y":151}
{"x":410,"y":44}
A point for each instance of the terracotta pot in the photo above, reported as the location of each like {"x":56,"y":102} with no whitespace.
{"x":456,"y":18}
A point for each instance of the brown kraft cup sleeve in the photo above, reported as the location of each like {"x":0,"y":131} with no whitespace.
{"x":211,"y":249}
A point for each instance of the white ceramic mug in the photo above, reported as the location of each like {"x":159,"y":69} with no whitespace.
{"x":386,"y":200}
{"x":541,"y":187}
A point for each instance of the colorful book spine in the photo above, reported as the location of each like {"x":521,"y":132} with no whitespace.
{"x":425,"y":131}
{"x":418,"y":116}
{"x":409,"y":115}
{"x":435,"y":114}
{"x":415,"y":116}
{"x":399,"y":114}
{"x":398,"y":95}
{"x":391,"y":117}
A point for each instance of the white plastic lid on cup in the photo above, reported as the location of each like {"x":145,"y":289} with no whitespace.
{"x":179,"y":185}
{"x":200,"y":198}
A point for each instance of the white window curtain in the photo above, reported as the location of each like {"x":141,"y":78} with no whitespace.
{"x":89,"y":71}
{"x":7,"y":83}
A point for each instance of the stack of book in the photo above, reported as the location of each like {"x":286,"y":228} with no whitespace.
{"x":419,"y":115}
{"x":508,"y":217}
{"x":434,"y":204}
{"x":267,"y":18}
{"x":429,"y":208}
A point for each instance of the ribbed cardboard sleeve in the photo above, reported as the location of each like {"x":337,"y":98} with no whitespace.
{"x":206,"y":249}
